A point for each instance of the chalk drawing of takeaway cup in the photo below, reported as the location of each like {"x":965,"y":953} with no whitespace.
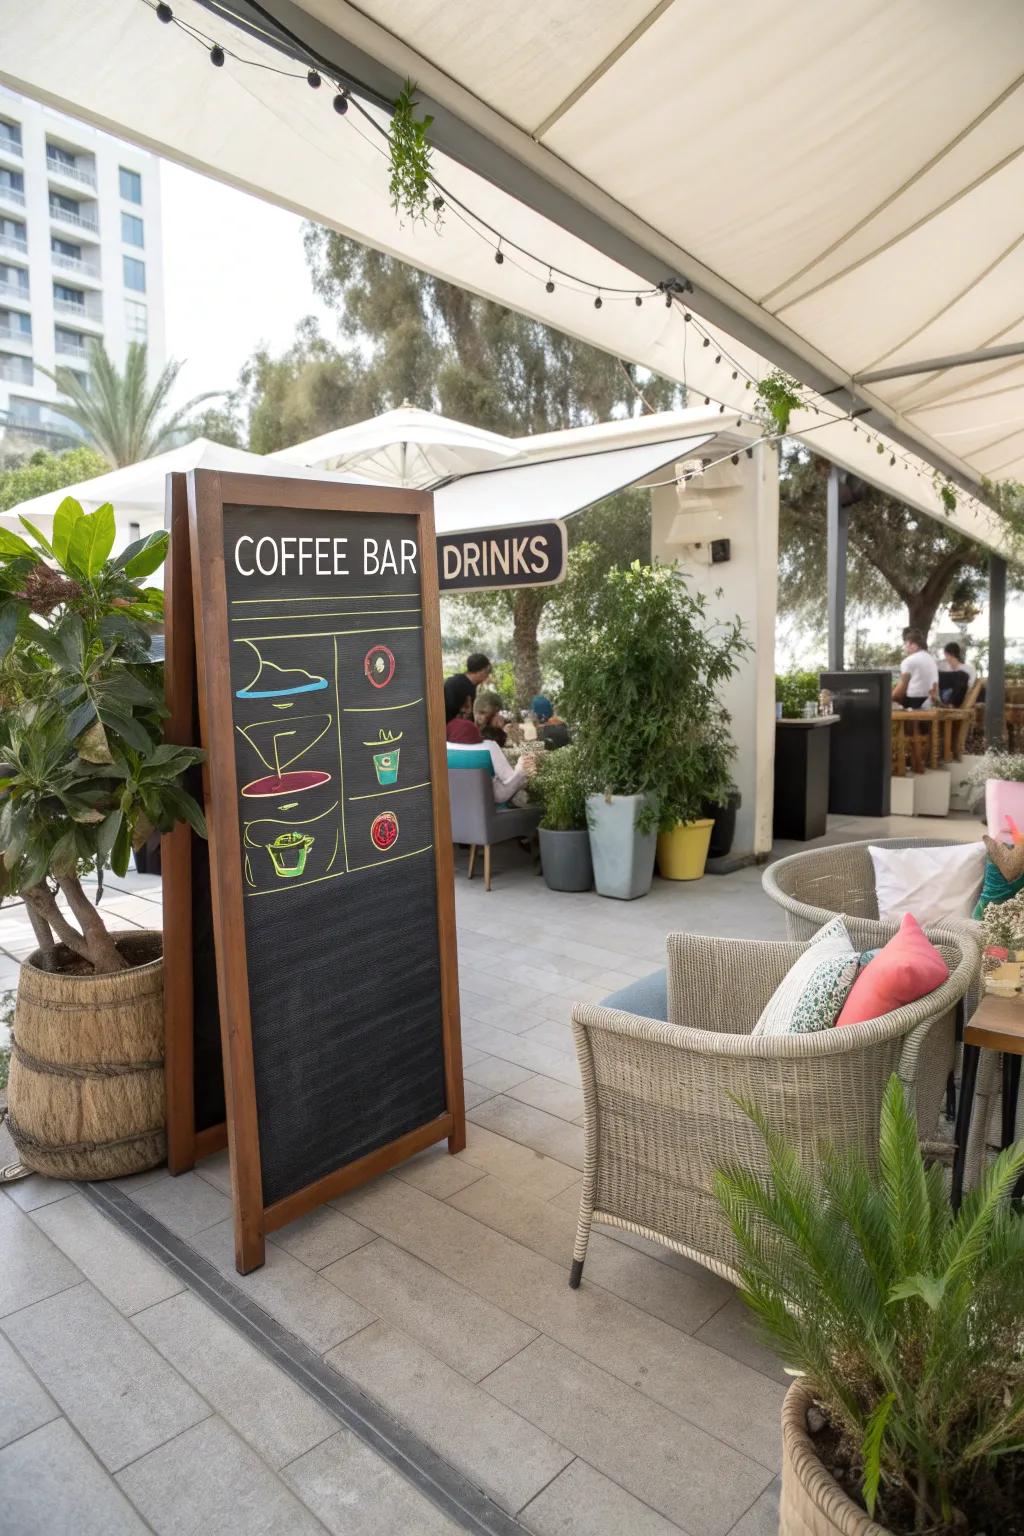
{"x":288,"y":854}
{"x":385,"y":758}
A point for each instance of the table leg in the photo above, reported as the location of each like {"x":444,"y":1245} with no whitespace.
{"x":933,"y":744}
{"x":1011,"y":1089}
{"x":968,"y":1081}
{"x":899,"y":750}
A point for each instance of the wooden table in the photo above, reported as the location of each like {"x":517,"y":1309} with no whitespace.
{"x":997,"y":1025}
{"x":932,"y":720}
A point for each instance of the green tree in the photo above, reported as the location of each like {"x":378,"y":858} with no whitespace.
{"x":894,"y":553}
{"x":46,"y":471}
{"x":122,"y":415}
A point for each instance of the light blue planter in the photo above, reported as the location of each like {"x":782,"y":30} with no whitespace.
{"x":623,"y":857}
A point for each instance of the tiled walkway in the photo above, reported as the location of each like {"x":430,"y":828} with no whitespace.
{"x":640,"y":1405}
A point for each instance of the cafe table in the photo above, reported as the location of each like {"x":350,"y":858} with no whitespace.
{"x":997,"y":1025}
{"x":933,"y":722}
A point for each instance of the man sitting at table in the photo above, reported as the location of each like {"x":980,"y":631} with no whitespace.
{"x":919,"y":675}
{"x":955,"y":676}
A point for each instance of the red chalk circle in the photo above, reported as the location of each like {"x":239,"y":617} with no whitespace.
{"x":384,"y":831}
{"x":379,"y":665}
{"x":294,"y":783}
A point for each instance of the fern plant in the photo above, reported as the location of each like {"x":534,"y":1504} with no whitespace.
{"x":907,"y":1319}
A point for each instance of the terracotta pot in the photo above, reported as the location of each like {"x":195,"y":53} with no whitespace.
{"x":812,"y":1503}
{"x":86,"y":1091}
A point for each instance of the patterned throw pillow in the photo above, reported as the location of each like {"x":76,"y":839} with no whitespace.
{"x":811,"y":994}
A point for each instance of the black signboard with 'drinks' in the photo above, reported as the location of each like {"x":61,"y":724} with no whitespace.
{"x":324,"y":730}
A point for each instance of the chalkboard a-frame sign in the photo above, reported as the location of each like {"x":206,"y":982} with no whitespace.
{"x":317,"y":648}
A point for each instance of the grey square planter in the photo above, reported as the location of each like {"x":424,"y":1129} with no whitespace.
{"x":565,"y":860}
{"x":623,"y":857}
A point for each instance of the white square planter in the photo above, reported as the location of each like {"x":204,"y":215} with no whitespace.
{"x":901,"y":801}
{"x":931,"y":793}
{"x":964,"y":796}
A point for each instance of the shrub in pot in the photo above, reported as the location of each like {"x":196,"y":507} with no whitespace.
{"x":564,"y":839}
{"x":641,"y":663}
{"x":85,"y":777}
{"x":699,"y":786}
{"x":1002,"y":774}
{"x":904,"y":1324}
{"x":795,"y":689}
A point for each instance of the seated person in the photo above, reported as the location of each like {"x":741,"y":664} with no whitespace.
{"x":489,"y":719}
{"x":551,"y":729}
{"x":463,"y":685}
{"x":918,"y":681}
{"x":956,"y":676}
{"x":465,"y":741}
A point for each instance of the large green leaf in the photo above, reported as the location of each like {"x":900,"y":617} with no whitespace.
{"x":11,"y":615}
{"x":144,"y":556}
{"x":107,"y":834}
{"x":121,"y":849}
{"x":39,"y":537}
{"x":92,"y":539}
{"x":64,"y":519}
{"x":79,"y":718}
{"x":13,"y":543}
{"x":127,"y":727}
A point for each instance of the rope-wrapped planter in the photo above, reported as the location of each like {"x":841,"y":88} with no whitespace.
{"x":86,"y":1088}
{"x":812,"y":1503}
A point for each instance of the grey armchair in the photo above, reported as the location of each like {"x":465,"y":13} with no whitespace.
{"x":476,"y":819}
{"x":660,"y":1096}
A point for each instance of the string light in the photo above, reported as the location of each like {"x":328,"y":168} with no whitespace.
{"x":598,"y":302}
{"x":499,"y":255}
{"x":164,"y":13}
{"x":313,"y":77}
{"x":217,"y":56}
{"x":340,"y":103}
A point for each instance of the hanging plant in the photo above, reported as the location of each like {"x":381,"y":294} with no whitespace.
{"x":409,"y":150}
{"x":777,"y":398}
{"x":946,"y":492}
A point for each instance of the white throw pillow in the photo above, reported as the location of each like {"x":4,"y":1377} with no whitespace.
{"x":934,"y":885}
{"x":811,"y":994}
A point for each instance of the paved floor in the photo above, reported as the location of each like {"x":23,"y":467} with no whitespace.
{"x":640,"y":1405}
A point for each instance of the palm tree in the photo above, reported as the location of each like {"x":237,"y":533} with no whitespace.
{"x":119,"y":414}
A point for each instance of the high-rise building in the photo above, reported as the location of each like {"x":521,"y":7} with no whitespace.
{"x":80,"y":257}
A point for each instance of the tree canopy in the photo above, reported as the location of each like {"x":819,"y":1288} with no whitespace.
{"x":46,"y":471}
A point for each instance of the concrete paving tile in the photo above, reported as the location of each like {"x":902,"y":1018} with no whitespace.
{"x":569,"y":1199}
{"x":52,"y":1486}
{"x":216,"y":1170}
{"x":733,"y":1331}
{"x":612,"y":980}
{"x":320,"y":1237}
{"x":470,"y":1054}
{"x":301,"y":1300}
{"x":684,"y":1473}
{"x":24,"y":1405}
{"x":728,"y":1399}
{"x":355,"y":1493}
{"x":437,"y":1173}
{"x":30,"y":1266}
{"x":30,"y":1193}
{"x":117,"y":1391}
{"x":256,"y":1398}
{"x":555,"y":1032}
{"x":457,"y":1326}
{"x":187,"y":1204}
{"x":208,"y":1479}
{"x":504,"y":1454}
{"x":762,"y":1519}
{"x":491,"y":1072}
{"x":515,"y":1164}
{"x":554,"y":1098}
{"x":137,"y":1181}
{"x":527,"y":1053}
{"x":474,"y":1095}
{"x":583,"y":1502}
{"x":532,"y":1127}
{"x":118,"y":1267}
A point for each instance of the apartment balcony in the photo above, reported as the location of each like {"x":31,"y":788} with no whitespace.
{"x":72,"y":351}
{"x":85,"y":271}
{"x":86,"y":224}
{"x":16,"y":370}
{"x":11,"y":336}
{"x":81,"y":314}
{"x":9,"y":198}
{"x":13,"y":245}
{"x":14,"y":293}
{"x":76,"y":175}
{"x":9,"y":146}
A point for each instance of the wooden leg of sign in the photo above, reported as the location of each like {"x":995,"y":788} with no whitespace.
{"x":472,"y":859}
{"x":487,"y":866}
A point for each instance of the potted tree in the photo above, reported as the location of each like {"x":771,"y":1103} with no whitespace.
{"x":641,"y":664}
{"x":902,"y":1322}
{"x":564,"y":839}
{"x":699,"y":787}
{"x":86,"y":777}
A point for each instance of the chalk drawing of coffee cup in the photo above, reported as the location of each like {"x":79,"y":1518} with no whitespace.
{"x":288,"y":854}
{"x":385,"y":758}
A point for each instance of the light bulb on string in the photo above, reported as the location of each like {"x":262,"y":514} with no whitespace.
{"x":598,"y":302}
{"x":549,"y":286}
{"x":638,"y":301}
{"x":164,"y":13}
{"x":217,"y":56}
{"x":313,"y":79}
{"x":499,"y":255}
{"x":340,"y":103}
{"x":706,"y":342}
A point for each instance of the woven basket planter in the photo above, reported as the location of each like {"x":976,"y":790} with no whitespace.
{"x":813,"y":1504}
{"x":86,"y":1090}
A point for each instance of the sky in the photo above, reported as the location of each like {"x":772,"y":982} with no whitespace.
{"x":235,"y":274}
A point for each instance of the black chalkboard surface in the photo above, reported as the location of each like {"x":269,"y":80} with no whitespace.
{"x":320,"y":696}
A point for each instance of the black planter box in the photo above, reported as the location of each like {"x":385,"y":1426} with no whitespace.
{"x":801,"y":777}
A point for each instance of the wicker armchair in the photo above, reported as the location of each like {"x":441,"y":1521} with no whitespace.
{"x":813,"y":886}
{"x":661,"y":1115}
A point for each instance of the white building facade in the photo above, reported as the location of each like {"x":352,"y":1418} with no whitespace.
{"x":80,"y":258}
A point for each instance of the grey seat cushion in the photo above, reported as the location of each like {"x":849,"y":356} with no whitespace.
{"x":647,"y":997}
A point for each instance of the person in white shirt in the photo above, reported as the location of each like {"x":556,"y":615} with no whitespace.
{"x":465,"y":741}
{"x":918,"y":683}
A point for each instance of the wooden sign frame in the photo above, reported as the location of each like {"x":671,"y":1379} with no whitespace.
{"x":207,"y":494}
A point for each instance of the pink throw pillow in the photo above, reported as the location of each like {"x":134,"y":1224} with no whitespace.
{"x":908,"y":968}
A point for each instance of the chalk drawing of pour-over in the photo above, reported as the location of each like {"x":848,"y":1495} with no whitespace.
{"x":385,"y":758}
{"x":279,"y":744}
{"x":274,"y":682}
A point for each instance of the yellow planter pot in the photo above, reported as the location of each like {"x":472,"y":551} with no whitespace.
{"x":683,"y":852}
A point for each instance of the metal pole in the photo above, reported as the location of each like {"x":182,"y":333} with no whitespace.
{"x":837,"y":517}
{"x":995,"y":686}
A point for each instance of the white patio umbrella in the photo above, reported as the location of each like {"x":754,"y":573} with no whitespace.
{"x":407,"y":446}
